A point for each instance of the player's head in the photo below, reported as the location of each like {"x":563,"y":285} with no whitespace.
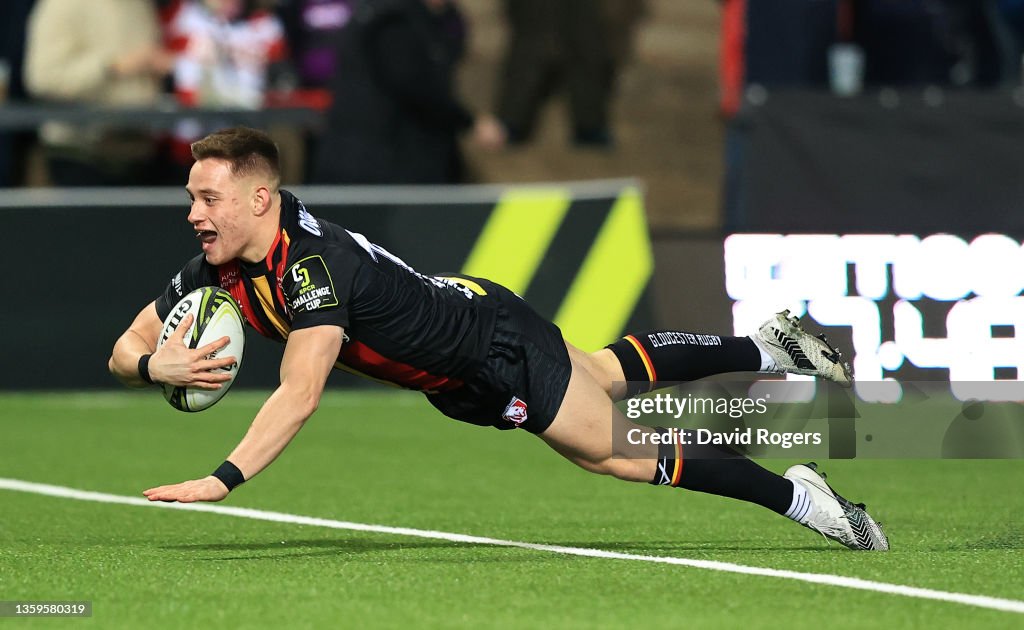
{"x":233,"y":189}
{"x":249,"y":152}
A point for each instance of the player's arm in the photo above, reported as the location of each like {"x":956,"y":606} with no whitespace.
{"x":309,"y":356}
{"x":174,"y":363}
{"x":139,"y":339}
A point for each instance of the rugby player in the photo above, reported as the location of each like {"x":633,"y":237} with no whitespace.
{"x":478,"y":351}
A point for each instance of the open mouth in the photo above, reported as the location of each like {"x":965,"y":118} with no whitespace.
{"x":207,"y":237}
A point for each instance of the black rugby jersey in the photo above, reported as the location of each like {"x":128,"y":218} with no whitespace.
{"x":416,"y":331}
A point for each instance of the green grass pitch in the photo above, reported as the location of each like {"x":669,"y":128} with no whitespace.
{"x":388,"y":458}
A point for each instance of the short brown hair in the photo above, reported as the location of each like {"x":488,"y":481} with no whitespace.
{"x":247,"y":150}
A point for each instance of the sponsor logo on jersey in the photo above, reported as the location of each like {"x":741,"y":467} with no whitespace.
{"x":515,"y":412}
{"x":176,"y":283}
{"x":308,"y":222}
{"x":309,"y":286}
{"x":228,"y":275}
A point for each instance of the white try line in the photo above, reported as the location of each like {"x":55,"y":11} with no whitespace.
{"x":981,"y":601}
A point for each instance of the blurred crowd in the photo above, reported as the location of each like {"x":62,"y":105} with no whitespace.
{"x":381,"y":71}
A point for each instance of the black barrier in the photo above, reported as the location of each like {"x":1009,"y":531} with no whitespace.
{"x":82,"y":263}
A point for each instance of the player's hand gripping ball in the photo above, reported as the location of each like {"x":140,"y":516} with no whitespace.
{"x":215,"y":315}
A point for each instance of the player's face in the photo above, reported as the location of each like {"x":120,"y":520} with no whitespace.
{"x":221,"y":211}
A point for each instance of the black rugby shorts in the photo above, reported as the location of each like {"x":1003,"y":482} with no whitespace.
{"x":524,"y":377}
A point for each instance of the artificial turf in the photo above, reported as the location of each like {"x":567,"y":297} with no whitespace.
{"x":388,"y":458}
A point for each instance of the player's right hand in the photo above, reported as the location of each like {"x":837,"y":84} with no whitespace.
{"x":205,"y":489}
{"x":174,"y":363}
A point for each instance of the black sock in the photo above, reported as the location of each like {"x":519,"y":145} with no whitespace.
{"x":720,"y":470}
{"x":673,"y":356}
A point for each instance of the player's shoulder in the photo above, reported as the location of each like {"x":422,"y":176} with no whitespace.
{"x":320,"y":262}
{"x":312,"y":237}
{"x":308,"y":232}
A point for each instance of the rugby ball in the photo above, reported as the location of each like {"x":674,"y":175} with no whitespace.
{"x":215,"y":315}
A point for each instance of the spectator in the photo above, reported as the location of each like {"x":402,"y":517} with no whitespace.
{"x":225,"y":49}
{"x":552,"y":42}
{"x":394,"y":118}
{"x":313,"y":29}
{"x":225,"y":53}
{"x":103,"y":52}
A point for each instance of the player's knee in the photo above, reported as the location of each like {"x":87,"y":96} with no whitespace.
{"x":605,"y":367}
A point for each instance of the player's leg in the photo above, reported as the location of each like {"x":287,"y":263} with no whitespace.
{"x":590,"y":431}
{"x":779,"y":345}
{"x":582,"y":431}
{"x":604,"y":367}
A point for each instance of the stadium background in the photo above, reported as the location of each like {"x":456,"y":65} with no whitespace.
{"x":921,"y":161}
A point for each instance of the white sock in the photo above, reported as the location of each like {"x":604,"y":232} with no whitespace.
{"x":801,"y":504}
{"x":768,"y":364}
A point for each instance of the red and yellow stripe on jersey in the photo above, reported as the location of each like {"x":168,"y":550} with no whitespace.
{"x":262,"y":303}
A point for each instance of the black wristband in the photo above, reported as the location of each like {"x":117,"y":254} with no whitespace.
{"x":229,"y":475}
{"x":144,"y":368}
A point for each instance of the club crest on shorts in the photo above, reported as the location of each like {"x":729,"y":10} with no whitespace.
{"x":515,"y":412}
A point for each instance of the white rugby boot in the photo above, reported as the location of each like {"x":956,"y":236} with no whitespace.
{"x":833,"y":516}
{"x":796,"y":351}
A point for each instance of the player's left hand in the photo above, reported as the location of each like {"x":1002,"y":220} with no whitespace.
{"x":205,"y":489}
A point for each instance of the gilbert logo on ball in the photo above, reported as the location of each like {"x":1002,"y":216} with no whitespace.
{"x":215,"y":315}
